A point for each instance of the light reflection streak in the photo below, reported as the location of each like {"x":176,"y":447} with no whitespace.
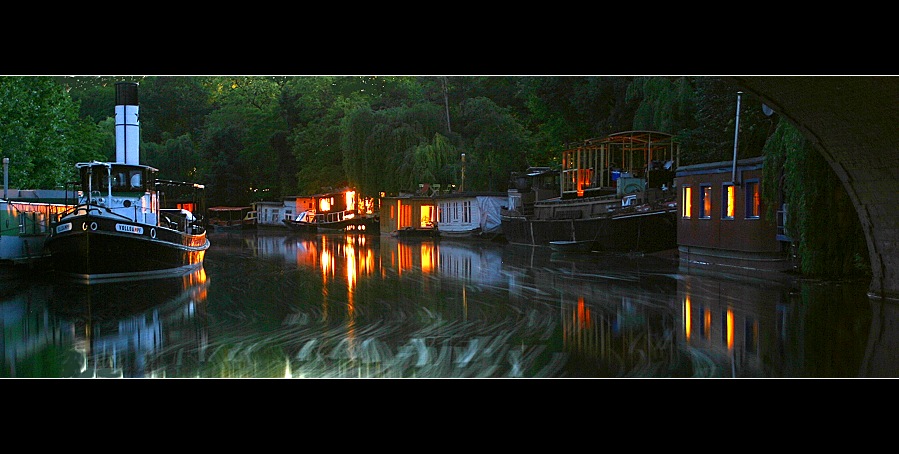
{"x":350,"y":256}
{"x":123,"y":327}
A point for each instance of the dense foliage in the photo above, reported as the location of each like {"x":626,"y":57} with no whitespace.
{"x":821,"y":218}
{"x":257,"y":138}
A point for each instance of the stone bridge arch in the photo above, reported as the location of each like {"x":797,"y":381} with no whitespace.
{"x":853,"y":121}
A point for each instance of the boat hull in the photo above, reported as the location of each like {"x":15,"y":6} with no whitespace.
{"x":635,"y":232}
{"x":411,"y":232}
{"x":354,"y":225}
{"x":301,"y":227}
{"x":93,"y":249}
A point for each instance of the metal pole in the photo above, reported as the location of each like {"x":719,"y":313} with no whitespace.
{"x":462,"y":185}
{"x":5,"y":178}
{"x":736,"y":138}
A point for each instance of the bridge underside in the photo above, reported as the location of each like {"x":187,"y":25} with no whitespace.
{"x":854,"y":122}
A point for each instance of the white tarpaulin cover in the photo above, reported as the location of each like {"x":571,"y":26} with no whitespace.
{"x":489,"y":207}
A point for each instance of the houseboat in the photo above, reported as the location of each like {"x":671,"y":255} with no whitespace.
{"x":469,"y":214}
{"x":335,"y":211}
{"x":125,"y":223}
{"x":409,"y":215}
{"x":270,"y":215}
{"x":723,"y":224}
{"x":614,"y":194}
{"x":25,"y":224}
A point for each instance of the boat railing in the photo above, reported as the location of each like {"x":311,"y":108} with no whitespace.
{"x":34,"y":218}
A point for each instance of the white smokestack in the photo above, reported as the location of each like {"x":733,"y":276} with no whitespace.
{"x":127,"y":125}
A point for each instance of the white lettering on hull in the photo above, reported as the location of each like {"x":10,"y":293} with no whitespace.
{"x":129,"y":229}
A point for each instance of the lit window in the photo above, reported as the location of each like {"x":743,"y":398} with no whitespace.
{"x":687,"y":202}
{"x":753,"y":200}
{"x":705,"y":202}
{"x":729,"y":199}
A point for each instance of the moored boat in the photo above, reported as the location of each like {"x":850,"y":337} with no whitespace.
{"x":613,"y":194}
{"x":341,"y":211}
{"x":303,"y":223}
{"x":224,"y":218}
{"x":125,"y":223}
{"x":469,"y":215}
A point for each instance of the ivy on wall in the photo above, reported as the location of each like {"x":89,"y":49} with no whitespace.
{"x":820,"y":216}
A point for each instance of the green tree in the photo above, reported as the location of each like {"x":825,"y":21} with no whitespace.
{"x":312,"y":108}
{"x":176,"y":158}
{"x":665,"y":104}
{"x":248,"y":107}
{"x":563,"y":110}
{"x":173,"y":106}
{"x":226,"y":176}
{"x":95,"y":94}
{"x":496,"y":144}
{"x":711,"y":138}
{"x":42,"y":134}
{"x":382,"y":149}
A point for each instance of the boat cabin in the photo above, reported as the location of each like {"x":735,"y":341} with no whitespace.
{"x":469,"y":214}
{"x":127,"y":190}
{"x":620,"y":164}
{"x":535,"y":183}
{"x":723,"y":222}
{"x":227,"y":216}
{"x":270,"y":215}
{"x":408,"y":214}
{"x":25,"y":219}
{"x":596,"y":175}
{"x":341,"y":209}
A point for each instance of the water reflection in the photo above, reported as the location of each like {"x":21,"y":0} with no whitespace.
{"x":121,"y":329}
{"x":335,"y":305}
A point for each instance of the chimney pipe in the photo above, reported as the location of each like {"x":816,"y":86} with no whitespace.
{"x":127,"y":123}
{"x":736,"y":140}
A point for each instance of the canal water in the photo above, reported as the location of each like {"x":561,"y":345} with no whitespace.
{"x":276,"y":305}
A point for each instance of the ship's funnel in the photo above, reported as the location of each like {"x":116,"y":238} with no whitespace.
{"x":127,"y":124}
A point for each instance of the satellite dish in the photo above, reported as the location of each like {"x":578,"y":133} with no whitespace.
{"x":767,"y":110}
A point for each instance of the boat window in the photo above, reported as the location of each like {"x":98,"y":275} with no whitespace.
{"x":687,"y":202}
{"x":136,"y":179}
{"x":753,"y":200}
{"x":120,"y":181}
{"x":728,"y":198}
{"x":705,"y":201}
